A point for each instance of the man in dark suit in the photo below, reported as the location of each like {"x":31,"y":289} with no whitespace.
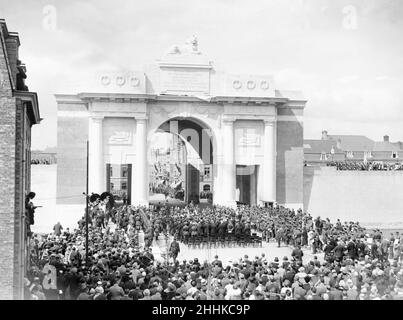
{"x":297,"y":253}
{"x":217,"y":262}
{"x":174,"y":249}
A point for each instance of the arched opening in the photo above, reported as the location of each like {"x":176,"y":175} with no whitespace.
{"x":180,"y":157}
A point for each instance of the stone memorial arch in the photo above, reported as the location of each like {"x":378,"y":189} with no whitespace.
{"x":256,"y":130}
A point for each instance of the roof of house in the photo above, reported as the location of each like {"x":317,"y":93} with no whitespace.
{"x":353,"y":143}
{"x":386,"y":146}
{"x":319,"y":146}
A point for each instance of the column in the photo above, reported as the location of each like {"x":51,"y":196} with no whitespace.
{"x":140,"y":171}
{"x":96,"y":156}
{"x":269,"y":170}
{"x":174,"y":129}
{"x":228,"y":181}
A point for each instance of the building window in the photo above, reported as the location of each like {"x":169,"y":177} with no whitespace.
{"x":124,"y":171}
{"x":119,"y":181}
{"x":368,"y":154}
{"x":350,"y":154}
{"x":323,"y":156}
{"x":394,"y":155}
{"x":206,"y":173}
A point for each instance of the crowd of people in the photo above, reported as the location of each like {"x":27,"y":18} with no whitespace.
{"x":358,"y":264}
{"x":366,"y":165}
{"x":42,"y":161}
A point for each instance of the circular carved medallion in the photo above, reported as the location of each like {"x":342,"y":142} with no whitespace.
{"x":251,"y":85}
{"x":264,"y":85}
{"x":237,"y":84}
{"x":135,"y":82}
{"x":120,"y":81}
{"x":105,"y":80}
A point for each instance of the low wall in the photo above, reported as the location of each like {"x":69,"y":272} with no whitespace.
{"x":43,"y":183}
{"x":374,"y":198}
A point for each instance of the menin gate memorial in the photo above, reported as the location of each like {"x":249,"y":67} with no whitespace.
{"x":246,"y":135}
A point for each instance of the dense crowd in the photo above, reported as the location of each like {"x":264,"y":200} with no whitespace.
{"x":358,"y":264}
{"x":366,"y":166}
{"x":42,"y":161}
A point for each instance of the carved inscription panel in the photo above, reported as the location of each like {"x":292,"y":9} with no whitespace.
{"x":179,"y":80}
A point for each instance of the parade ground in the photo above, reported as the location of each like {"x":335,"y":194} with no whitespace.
{"x":233,"y":254}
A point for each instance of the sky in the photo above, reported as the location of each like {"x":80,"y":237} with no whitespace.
{"x":345,"y":56}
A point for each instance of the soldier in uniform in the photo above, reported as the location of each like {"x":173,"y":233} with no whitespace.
{"x":231,"y":229}
{"x":238,"y":230}
{"x":212,"y":227}
{"x":205,"y":227}
{"x":222,"y":229}
{"x":199,"y":229}
{"x":246,"y":230}
{"x":193,"y":231}
{"x":174,"y":249}
{"x":185,"y":233}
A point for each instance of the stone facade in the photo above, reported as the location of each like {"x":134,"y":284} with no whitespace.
{"x":19,"y":111}
{"x":250,"y":121}
{"x":371,"y":197}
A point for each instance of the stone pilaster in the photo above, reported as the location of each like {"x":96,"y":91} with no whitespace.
{"x":97,"y":183}
{"x":140,"y":168}
{"x":269,"y":169}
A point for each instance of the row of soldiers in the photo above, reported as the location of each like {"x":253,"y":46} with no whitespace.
{"x":191,"y":223}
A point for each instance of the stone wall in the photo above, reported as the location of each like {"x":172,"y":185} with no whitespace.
{"x":371,"y":197}
{"x":72,"y":135}
{"x":290,"y":163}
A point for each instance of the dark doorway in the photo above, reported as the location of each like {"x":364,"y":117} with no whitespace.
{"x":246,"y":184}
{"x":193,"y":182}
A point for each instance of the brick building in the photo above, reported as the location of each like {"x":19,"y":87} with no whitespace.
{"x":351,"y":148}
{"x":19,"y":111}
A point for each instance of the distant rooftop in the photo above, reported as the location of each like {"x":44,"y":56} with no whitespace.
{"x":343,"y":143}
{"x":353,"y":143}
{"x":320,"y":146}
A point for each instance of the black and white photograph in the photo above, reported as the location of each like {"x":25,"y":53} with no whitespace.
{"x":212,"y":151}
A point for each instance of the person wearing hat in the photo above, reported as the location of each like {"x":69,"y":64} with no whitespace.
{"x":298,"y":288}
{"x":99,"y":293}
{"x":169,"y":292}
{"x":116,"y":292}
{"x":286,"y":263}
{"x":146,"y":295}
{"x":37,"y":293}
{"x":85,"y":294}
{"x":276,"y":263}
{"x":336,"y":292}
{"x":297,"y":253}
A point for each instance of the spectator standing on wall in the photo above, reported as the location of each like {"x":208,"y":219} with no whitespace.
{"x":30,"y":208}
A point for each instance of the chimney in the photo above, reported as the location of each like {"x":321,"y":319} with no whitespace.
{"x":324,"y":135}
{"x":386,"y":138}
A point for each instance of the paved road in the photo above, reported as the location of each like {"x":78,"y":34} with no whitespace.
{"x":228,"y":255}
